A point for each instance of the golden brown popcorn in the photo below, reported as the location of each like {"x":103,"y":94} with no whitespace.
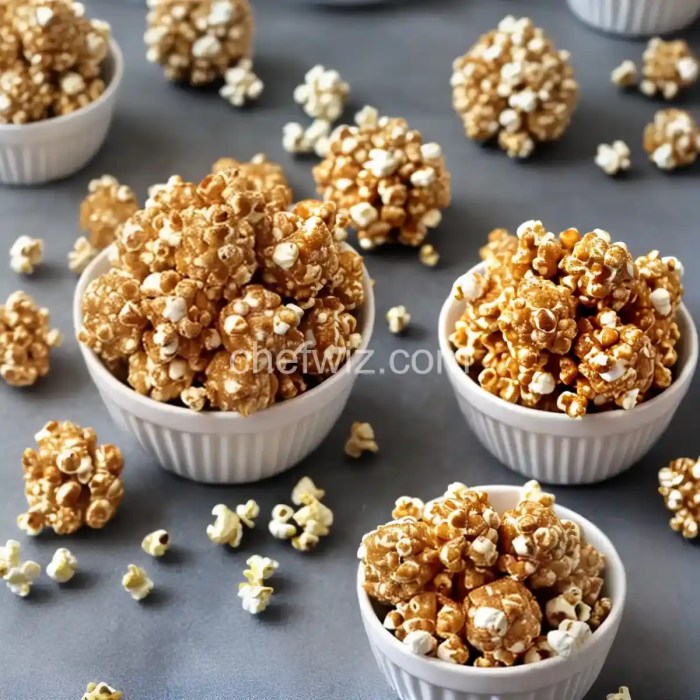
{"x":348,"y":282}
{"x":159,"y":379}
{"x":70,"y":480}
{"x":26,"y":340}
{"x":197,"y":40}
{"x":291,"y":384}
{"x":75,"y":92}
{"x":25,"y":94}
{"x":383,"y":177}
{"x":107,"y":206}
{"x":600,"y":612}
{"x":515,"y":86}
{"x":400,"y":559}
{"x":503,"y":620}
{"x":669,"y":67}
{"x":672,"y":140}
{"x":537,"y":250}
{"x":679,"y":484}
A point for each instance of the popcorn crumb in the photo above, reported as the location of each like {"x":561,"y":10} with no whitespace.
{"x":62,"y":566}
{"x":361,"y":440}
{"x":428,"y":255}
{"x":156,"y":543}
{"x":613,"y":158}
{"x":82,"y":254}
{"x":242,"y":84}
{"x":136,"y":583}
{"x":227,"y":528}
{"x":625,"y":75}
{"x":101,"y":691}
{"x":18,"y":575}
{"x":25,"y":254}
{"x":398,"y":319}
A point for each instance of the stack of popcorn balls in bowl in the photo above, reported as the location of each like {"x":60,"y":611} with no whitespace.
{"x":490,"y":593}
{"x":59,"y":76}
{"x":223,"y":327}
{"x":568,"y":356}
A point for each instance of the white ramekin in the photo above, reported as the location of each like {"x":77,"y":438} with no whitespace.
{"x":636,"y":17}
{"x":32,"y":154}
{"x":556,"y":449}
{"x":218,"y":447}
{"x":414,"y":677}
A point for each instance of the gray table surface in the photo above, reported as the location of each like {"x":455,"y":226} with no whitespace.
{"x":191,"y":638}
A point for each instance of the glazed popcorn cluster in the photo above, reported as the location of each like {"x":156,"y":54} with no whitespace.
{"x":70,"y":480}
{"x":51,"y":59}
{"x":513,"y":85}
{"x":672,"y":140}
{"x":221,"y":296}
{"x":570,"y":322}
{"x":26,"y":340}
{"x":679,"y":484}
{"x":197,"y":41}
{"x":468,"y":585}
{"x":385,"y":179}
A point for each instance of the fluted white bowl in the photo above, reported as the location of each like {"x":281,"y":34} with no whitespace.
{"x":222,"y":447}
{"x":419,"y":678}
{"x":52,"y":149}
{"x":556,"y":449}
{"x":636,"y":17}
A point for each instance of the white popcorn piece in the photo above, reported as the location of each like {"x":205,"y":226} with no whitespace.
{"x":260,"y":568}
{"x":314,"y":516}
{"x":156,"y":543}
{"x":247,"y":512}
{"x":569,"y":638}
{"x":367,"y":116}
{"x":254,"y":597}
{"x":296,"y":139}
{"x":622,"y":694}
{"x":398,"y":319}
{"x":227,"y":528}
{"x":613,"y":158}
{"x":661,"y":301}
{"x":420,"y":642}
{"x":25,"y":254}
{"x":323,"y":94}
{"x":624,"y":75}
{"x":101,"y":691}
{"x":136,"y":582}
{"x":428,"y":254}
{"x":281,"y":530}
{"x":241,"y":84}
{"x":304,"y":486}
{"x":18,"y":575}
{"x":82,"y":254}
{"x":361,"y":440}
{"x":305,"y":542}
{"x":62,"y":566}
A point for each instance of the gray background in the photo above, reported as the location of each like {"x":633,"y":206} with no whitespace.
{"x":191,"y":638}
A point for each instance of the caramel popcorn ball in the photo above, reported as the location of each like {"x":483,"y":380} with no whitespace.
{"x":570,"y":323}
{"x":668,"y":68}
{"x":468,"y":585}
{"x":70,"y":480}
{"x":679,"y":484}
{"x":26,"y":340}
{"x":383,"y":177}
{"x":101,"y":691}
{"x":672,"y":140}
{"x":196,"y":41}
{"x":107,"y":206}
{"x":50,"y":59}
{"x":514,"y":85}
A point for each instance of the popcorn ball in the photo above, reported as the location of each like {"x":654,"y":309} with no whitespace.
{"x":679,"y":484}
{"x":568,"y":323}
{"x":515,"y":86}
{"x":196,"y":41}
{"x":468,"y":585}
{"x":50,"y":59}
{"x":672,"y":140}
{"x":107,"y":206}
{"x":668,"y":68}
{"x":70,"y":480}
{"x":26,"y":340}
{"x":383,"y":177}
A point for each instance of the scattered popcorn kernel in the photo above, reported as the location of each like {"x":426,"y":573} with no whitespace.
{"x":305,"y":486}
{"x":25,"y":254}
{"x":532,"y":491}
{"x":62,"y":566}
{"x":227,"y":528}
{"x":679,"y":484}
{"x":305,"y":542}
{"x":613,"y":158}
{"x":313,"y":139}
{"x":281,"y":530}
{"x":156,"y":543}
{"x":136,"y":583}
{"x":101,"y":691}
{"x":314,"y":516}
{"x":323,"y":94}
{"x":18,"y":575}
{"x":669,"y":67}
{"x":247,"y":512}
{"x":361,"y":440}
{"x":254,"y":597}
{"x":672,"y":140}
{"x":428,"y":255}
{"x":260,"y":568}
{"x":622,"y":694}
{"x":625,"y":75}
{"x":82,"y":255}
{"x":241,"y":84}
{"x":398,"y":319}
{"x":570,"y":638}
{"x":106,"y":207}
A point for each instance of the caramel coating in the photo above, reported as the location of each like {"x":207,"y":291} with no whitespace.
{"x":70,"y":480}
{"x":26,"y":340}
{"x":672,"y":140}
{"x":108,"y":205}
{"x":515,"y":86}
{"x":383,"y":177}
{"x":197,"y":40}
{"x":669,"y":67}
{"x":679,"y":484}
